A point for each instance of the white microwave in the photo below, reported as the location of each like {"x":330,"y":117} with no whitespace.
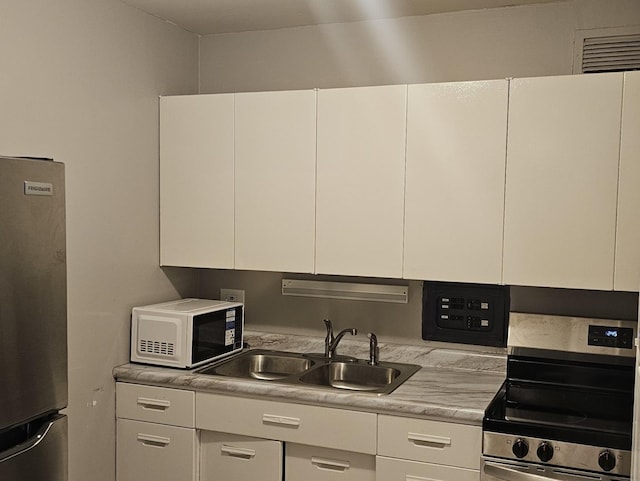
{"x":187,"y":332}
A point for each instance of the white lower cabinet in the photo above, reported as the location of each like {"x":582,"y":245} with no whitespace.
{"x":391,"y":469}
{"x":177,"y":435}
{"x":295,"y":423}
{"x":151,"y":452}
{"x":311,"y":463}
{"x":156,"y":435}
{"x":320,"y":444}
{"x":417,"y":449}
{"x":228,"y":457}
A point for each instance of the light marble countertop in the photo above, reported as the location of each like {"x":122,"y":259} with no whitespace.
{"x":453,"y":385}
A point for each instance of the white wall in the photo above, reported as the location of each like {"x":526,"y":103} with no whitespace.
{"x":523,"y":41}
{"x":79,"y":81}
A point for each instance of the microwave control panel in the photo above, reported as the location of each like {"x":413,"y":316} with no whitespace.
{"x":465,"y":313}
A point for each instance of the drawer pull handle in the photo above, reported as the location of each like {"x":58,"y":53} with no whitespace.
{"x":237,"y":452}
{"x":282,"y":420}
{"x":156,"y":404}
{"x":429,"y":440}
{"x":156,"y":441}
{"x":418,"y":478}
{"x":330,"y":464}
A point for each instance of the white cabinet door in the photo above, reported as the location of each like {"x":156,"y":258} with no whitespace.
{"x":562,"y":181}
{"x":347,"y":430}
{"x":229,"y":457}
{"x":627,"y":271}
{"x":275,"y":162}
{"x":390,"y":469}
{"x":360,"y":181}
{"x":151,"y":452}
{"x":454,"y":207}
{"x":159,"y":405}
{"x":196,"y":181}
{"x":424,"y":440}
{"x":311,"y":463}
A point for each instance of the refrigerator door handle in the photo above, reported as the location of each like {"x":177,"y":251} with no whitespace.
{"x":27,"y":445}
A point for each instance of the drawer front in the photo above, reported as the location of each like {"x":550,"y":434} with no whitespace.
{"x":389,"y":469}
{"x":430,"y":441}
{"x":318,"y":426}
{"x":151,"y":452}
{"x":229,"y":456}
{"x":311,"y":463}
{"x":155,"y":404}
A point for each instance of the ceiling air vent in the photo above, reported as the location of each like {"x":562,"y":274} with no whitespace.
{"x":607,"y":50}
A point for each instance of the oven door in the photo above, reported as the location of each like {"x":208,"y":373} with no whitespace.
{"x":503,"y":470}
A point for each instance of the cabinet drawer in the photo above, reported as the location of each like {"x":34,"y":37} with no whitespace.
{"x":149,"y":452}
{"x":318,"y":426}
{"x":229,"y":456}
{"x":155,"y":404}
{"x":310,"y":463}
{"x":430,"y":441}
{"x":389,"y":469}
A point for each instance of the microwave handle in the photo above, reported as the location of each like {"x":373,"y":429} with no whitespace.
{"x":503,"y":473}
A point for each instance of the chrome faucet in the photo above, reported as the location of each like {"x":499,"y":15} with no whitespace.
{"x":331,"y":342}
{"x":374,"y":351}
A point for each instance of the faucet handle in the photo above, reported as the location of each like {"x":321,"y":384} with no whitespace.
{"x":374,"y":350}
{"x":328,"y":325}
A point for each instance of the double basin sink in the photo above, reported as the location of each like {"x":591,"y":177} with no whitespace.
{"x":342,"y":373}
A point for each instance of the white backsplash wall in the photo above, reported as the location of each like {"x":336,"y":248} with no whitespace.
{"x":268,"y":310}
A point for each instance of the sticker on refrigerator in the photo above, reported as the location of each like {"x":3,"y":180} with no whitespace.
{"x":37,"y":188}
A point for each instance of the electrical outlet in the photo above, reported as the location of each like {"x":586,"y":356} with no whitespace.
{"x":232,"y":295}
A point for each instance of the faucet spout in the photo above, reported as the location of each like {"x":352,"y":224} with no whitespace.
{"x":333,"y":345}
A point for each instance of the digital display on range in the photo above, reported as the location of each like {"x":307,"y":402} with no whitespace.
{"x":614,"y":337}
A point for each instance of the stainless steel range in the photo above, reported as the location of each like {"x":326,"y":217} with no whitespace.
{"x":565,"y":411}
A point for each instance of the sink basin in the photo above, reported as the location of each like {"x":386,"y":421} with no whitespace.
{"x":263,"y":365}
{"x":312,"y":371}
{"x":347,"y":375}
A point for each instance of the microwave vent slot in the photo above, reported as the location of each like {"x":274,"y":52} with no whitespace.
{"x":159,"y":348}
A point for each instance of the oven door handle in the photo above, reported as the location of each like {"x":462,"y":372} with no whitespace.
{"x":501,"y":472}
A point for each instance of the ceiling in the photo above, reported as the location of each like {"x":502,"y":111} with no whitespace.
{"x":206,"y":17}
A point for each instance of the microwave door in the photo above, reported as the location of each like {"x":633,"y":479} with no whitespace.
{"x":215,"y":334}
{"x":208,"y":336}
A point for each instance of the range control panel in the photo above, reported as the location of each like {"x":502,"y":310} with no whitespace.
{"x":465,"y":313}
{"x":614,"y":337}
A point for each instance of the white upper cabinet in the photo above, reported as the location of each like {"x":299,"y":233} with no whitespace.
{"x":275,"y":162}
{"x":562,"y":181}
{"x":627,"y":271}
{"x":196,"y":181}
{"x":456,"y":148}
{"x":360,"y":181}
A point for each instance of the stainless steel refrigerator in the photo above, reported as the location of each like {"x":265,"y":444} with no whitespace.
{"x":33,"y":321}
{"x":635,"y":448}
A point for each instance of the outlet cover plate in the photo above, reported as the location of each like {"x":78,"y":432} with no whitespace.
{"x":232,"y":295}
